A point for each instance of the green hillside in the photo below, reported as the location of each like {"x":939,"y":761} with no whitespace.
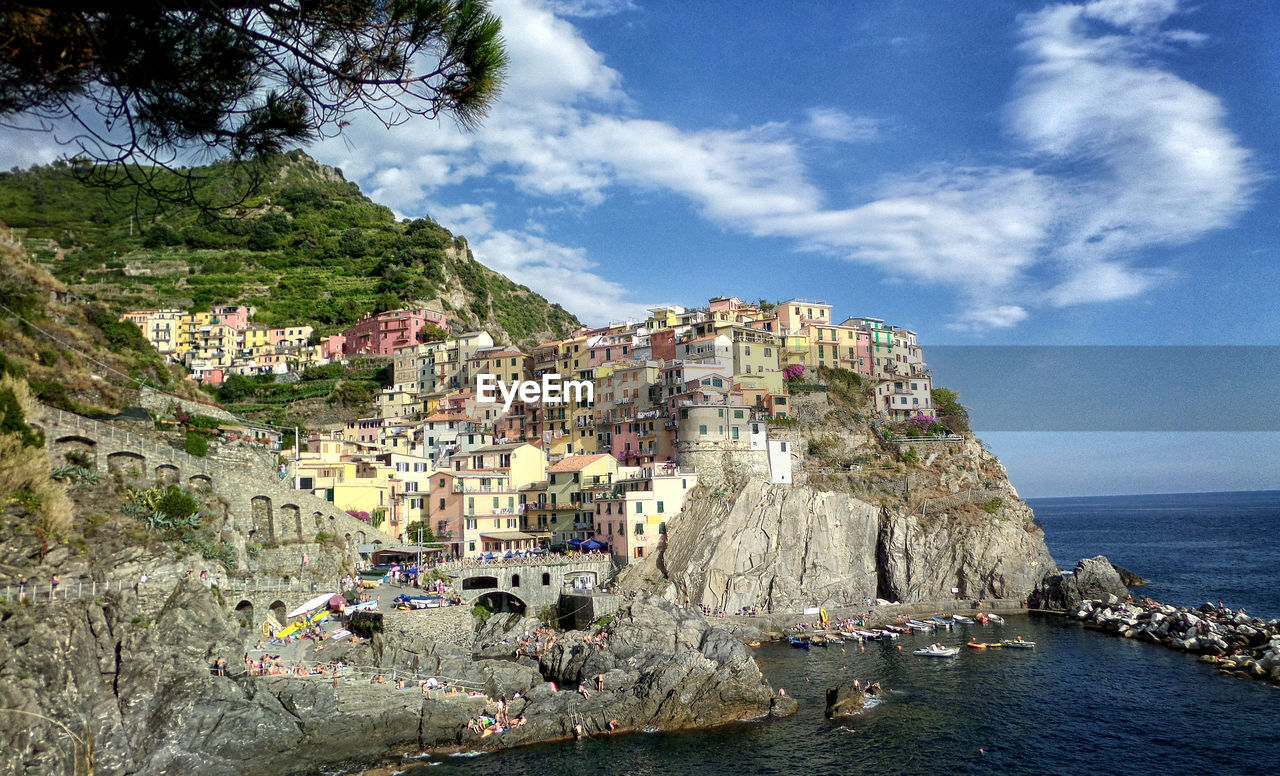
{"x":306,"y":247}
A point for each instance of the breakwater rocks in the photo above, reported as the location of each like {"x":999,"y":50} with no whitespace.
{"x":1093,"y":579}
{"x":1238,"y":644}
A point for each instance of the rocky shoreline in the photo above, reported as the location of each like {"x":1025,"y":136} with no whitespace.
{"x":1239,"y":645}
{"x":136,"y":680}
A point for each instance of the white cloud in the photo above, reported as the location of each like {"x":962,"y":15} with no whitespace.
{"x":835,"y":124}
{"x":590,"y":9}
{"x":1113,"y":154}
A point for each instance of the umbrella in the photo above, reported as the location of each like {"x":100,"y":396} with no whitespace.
{"x":314,"y":603}
{"x":575,"y":542}
{"x":337,"y":602}
{"x":594,"y":545}
{"x":509,"y":554}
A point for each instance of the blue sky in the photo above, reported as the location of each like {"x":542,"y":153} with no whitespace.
{"x":984,"y":172}
{"x":987,"y":173}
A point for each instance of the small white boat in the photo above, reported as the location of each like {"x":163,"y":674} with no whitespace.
{"x":933,"y":650}
{"x":997,"y":619}
{"x":960,"y":618}
{"x":1018,"y":643}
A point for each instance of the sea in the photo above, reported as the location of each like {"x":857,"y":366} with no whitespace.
{"x":1080,"y":702}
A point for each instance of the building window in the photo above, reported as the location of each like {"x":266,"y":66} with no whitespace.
{"x":639,"y":507}
{"x":702,"y":430}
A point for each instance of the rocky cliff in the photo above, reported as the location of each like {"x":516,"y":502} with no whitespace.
{"x":865,"y":518}
{"x":131,"y":679}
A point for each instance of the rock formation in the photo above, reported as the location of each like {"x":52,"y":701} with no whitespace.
{"x":136,"y":679}
{"x":1093,"y":578}
{"x":844,"y":700}
{"x":895,"y":530}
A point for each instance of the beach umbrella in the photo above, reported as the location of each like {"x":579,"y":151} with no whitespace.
{"x":337,"y":602}
{"x":594,"y":545}
{"x":575,"y":543}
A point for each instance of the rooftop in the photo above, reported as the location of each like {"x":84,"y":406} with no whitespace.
{"x":575,"y":463}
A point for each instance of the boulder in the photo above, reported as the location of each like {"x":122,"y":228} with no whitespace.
{"x":1093,"y":579}
{"x":844,"y":700}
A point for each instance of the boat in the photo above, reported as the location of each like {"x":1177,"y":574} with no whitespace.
{"x":1018,"y":643}
{"x":934,"y":650}
{"x":888,"y":634}
{"x":895,"y":629}
{"x":797,"y":643}
{"x":818,"y":641}
{"x":419,"y":602}
{"x":872,"y":635}
{"x":960,"y":618}
{"x":753,"y":643}
{"x":997,"y":619}
{"x":978,"y":645}
{"x":850,"y":635}
{"x":834,"y":639}
{"x":941,"y":622}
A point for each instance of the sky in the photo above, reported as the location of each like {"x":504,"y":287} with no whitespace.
{"x":985,"y":172}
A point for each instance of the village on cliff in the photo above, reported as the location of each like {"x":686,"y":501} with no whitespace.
{"x":598,"y":471}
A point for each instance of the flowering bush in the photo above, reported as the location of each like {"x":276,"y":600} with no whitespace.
{"x":793,"y":372}
{"x":360,"y":515}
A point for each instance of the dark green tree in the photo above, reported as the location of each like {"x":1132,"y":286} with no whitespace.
{"x":138,"y":89}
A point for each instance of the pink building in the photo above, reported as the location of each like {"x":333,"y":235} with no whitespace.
{"x":333,"y":346}
{"x":237,"y":317}
{"x":385,"y":332}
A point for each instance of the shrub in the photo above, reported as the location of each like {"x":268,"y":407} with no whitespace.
{"x":196,"y":444}
{"x":993,"y":505}
{"x":911,"y":457}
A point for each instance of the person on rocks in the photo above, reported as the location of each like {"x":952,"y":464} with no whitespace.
{"x":22,"y":590}
{"x":54,"y":581}
{"x":600,"y":682}
{"x":583,"y":691}
{"x":221,"y":666}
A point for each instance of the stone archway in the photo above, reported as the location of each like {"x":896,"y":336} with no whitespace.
{"x":264,"y":522}
{"x":244,"y":614}
{"x":125,"y":462}
{"x":502,"y":601}
{"x":279,"y":611}
{"x":168,"y":474}
{"x":319,"y":518}
{"x":200,"y":483}
{"x":70,"y":449}
{"x":291,"y":519}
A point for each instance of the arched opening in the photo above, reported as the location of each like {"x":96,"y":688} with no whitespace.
{"x":263,"y":520}
{"x":200,"y":483}
{"x":278,"y":611}
{"x":77,"y":450}
{"x":479,"y":583}
{"x":126,"y":463}
{"x":319,"y":518}
{"x":291,"y":519}
{"x":546,"y":579}
{"x":168,"y":474}
{"x":361,"y":537}
{"x":244,"y":614}
{"x":515,"y":580}
{"x":501,"y":601}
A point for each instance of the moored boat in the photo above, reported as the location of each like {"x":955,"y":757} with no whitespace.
{"x":798,"y":643}
{"x":937,"y":650}
{"x":1018,"y":643}
{"x":963,"y":620}
{"x":997,"y":619}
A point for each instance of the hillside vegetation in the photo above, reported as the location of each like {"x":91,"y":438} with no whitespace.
{"x":75,"y":354}
{"x":306,"y":248}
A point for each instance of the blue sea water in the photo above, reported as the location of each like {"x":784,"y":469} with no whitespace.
{"x":1081,"y":702}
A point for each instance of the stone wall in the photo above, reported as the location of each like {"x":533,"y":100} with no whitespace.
{"x":448,"y":625}
{"x":159,"y":403}
{"x":252,"y":503}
